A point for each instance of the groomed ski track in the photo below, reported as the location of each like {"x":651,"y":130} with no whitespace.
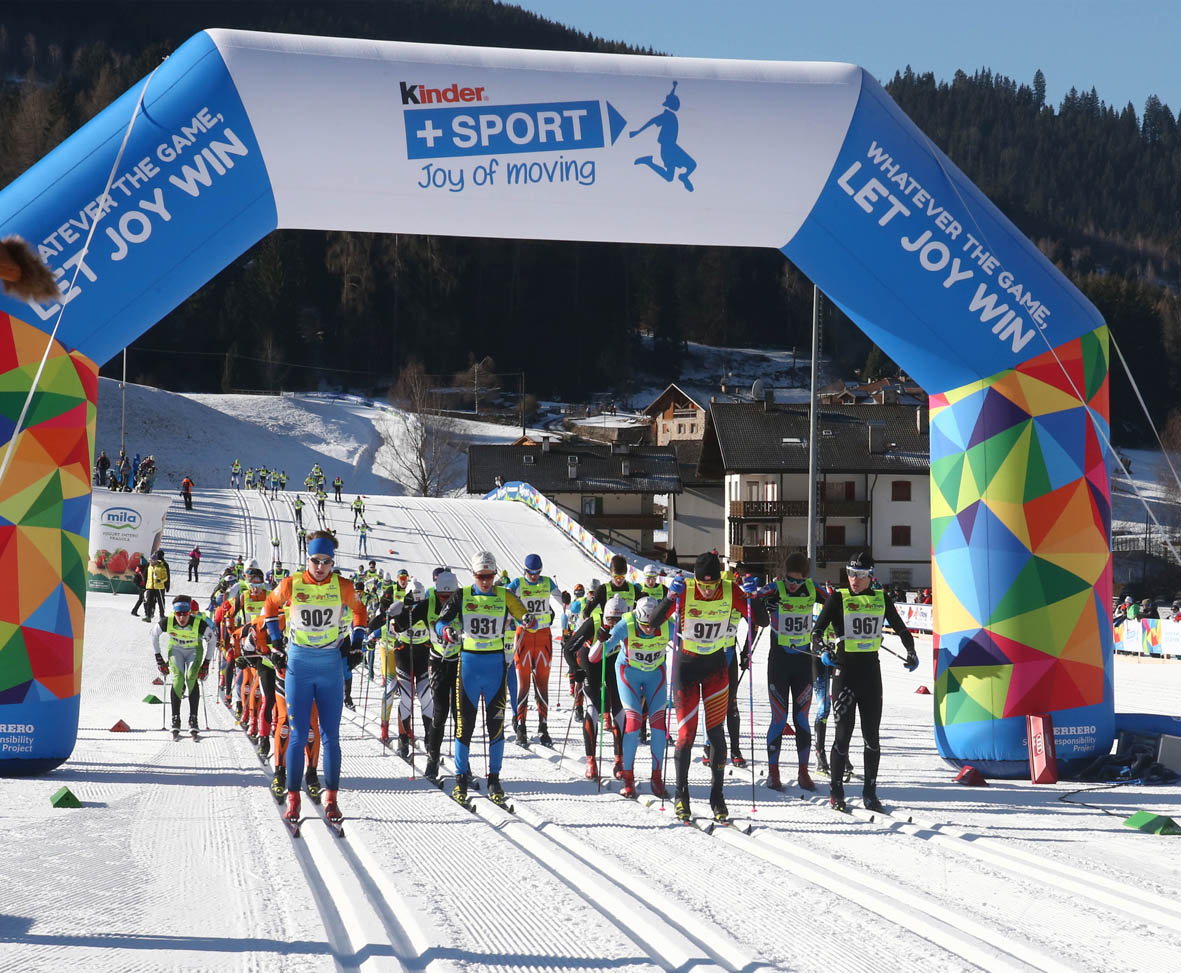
{"x":179,"y":859}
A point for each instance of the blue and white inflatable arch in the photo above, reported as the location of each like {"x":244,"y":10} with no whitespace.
{"x":238,"y":134}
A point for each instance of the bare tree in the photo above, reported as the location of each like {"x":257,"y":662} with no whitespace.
{"x":423,"y":449}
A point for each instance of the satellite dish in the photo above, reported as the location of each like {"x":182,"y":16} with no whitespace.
{"x":757,"y":390}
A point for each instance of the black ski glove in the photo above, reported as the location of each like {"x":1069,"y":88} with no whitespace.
{"x":161,"y":664}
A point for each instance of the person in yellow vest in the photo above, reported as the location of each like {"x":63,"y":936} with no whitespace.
{"x":790,"y":604}
{"x":857,"y":614}
{"x":542,"y":598}
{"x":247,"y":604}
{"x":322,"y":642}
{"x":700,"y":676}
{"x":481,"y":612}
{"x":184,"y":655}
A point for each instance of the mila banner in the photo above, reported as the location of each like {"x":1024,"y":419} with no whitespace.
{"x":122,"y":527}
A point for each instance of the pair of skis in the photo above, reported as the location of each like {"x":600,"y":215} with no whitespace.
{"x":193,"y":735}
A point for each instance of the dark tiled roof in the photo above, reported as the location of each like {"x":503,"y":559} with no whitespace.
{"x":742,"y":437}
{"x":653,"y":469}
{"x":688,"y":459}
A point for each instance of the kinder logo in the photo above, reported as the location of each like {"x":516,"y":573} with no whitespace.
{"x":121,"y":518}
{"x":420,"y":94}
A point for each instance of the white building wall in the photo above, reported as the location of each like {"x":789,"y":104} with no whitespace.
{"x":915,"y":513}
{"x":696,"y":521}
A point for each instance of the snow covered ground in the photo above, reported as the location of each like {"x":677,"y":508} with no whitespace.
{"x":178,"y":860}
{"x":1153,"y":480}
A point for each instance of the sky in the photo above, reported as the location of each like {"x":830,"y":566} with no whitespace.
{"x":1125,"y":49}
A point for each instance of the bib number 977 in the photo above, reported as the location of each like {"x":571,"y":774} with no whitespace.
{"x":705,"y":631}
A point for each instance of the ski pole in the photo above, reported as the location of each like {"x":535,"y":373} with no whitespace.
{"x":558,"y":697}
{"x":569,"y":726}
{"x":163,"y":707}
{"x":668,"y":713}
{"x":751,"y":689}
{"x":484,"y":718}
{"x":204,"y":708}
{"x":602,"y":714}
{"x":413,"y":693}
{"x":365,"y":699}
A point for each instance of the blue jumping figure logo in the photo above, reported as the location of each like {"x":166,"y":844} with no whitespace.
{"x":672,"y":156}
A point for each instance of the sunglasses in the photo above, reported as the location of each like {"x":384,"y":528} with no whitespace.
{"x":794,"y":582}
{"x":485,"y":575}
{"x":858,"y":572}
{"x":322,"y":561}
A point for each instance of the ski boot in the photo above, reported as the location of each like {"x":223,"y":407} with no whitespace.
{"x":804,"y":779}
{"x":657,"y":784}
{"x":175,"y":727}
{"x":869,"y":796}
{"x":385,"y":734}
{"x":495,"y":791}
{"x":193,"y":722}
{"x":264,"y":746}
{"x":773,"y":780}
{"x":592,"y":768}
{"x":543,"y":736}
{"x":737,"y":759}
{"x":717,"y":804}
{"x":629,"y":785}
{"x":681,"y":806}
{"x":313,"y":783}
{"x":291,"y":813}
{"x":617,"y":770}
{"x":836,"y":797}
{"x":279,"y":783}
{"x":522,"y":733}
{"x":822,"y":763}
{"x":705,"y":755}
{"x":432,"y":768}
{"x":579,"y":712}
{"x":403,"y":746}
{"x":331,"y":808}
{"x":238,"y":712}
{"x":348,"y":702}
{"x":459,"y":791}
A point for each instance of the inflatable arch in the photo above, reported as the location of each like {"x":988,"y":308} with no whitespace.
{"x":238,"y":133}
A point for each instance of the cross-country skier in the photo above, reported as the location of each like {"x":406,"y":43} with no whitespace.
{"x":640,"y":677}
{"x":857,"y":615}
{"x":481,"y":612}
{"x":789,"y":665}
{"x":318,"y":635}
{"x":184,"y":655}
{"x":542,"y":598}
{"x":596,"y":628}
{"x":703,"y":604}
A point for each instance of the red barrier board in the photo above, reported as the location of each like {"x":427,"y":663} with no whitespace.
{"x":1043,"y":762}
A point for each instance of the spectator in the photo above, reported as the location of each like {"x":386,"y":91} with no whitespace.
{"x":141,"y":582}
{"x":135,"y":467}
{"x":124,"y":469}
{"x":157,"y":586}
{"x":102,"y":466}
{"x":194,"y":562}
{"x":186,"y":491}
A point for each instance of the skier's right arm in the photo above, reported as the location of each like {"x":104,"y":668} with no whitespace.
{"x":273,"y":606}
{"x":449,"y":613}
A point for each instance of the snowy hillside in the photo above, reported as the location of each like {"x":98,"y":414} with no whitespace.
{"x":177,"y":859}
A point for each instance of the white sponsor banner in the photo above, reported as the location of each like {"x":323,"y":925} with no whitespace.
{"x":918,"y":618}
{"x":387,"y":136}
{"x":122,"y":526}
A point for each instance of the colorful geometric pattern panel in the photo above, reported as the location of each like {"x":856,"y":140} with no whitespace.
{"x":44,"y":525}
{"x":1021,"y":556}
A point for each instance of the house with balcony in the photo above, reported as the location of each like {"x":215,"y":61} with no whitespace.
{"x":608,"y":488}
{"x":872,"y":488}
{"x":675,"y":417}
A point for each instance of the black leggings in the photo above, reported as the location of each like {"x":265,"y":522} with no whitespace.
{"x":443,"y":677}
{"x":856,"y":687}
{"x":592,"y":693}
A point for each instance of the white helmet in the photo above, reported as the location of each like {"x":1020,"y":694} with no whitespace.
{"x":483,"y":562}
{"x":253,"y":565}
{"x":417,"y":591}
{"x":446,"y":583}
{"x":614,"y":610}
{"x":646,"y":610}
{"x":650,"y":572}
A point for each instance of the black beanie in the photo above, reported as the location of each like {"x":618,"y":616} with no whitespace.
{"x":708,"y":567}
